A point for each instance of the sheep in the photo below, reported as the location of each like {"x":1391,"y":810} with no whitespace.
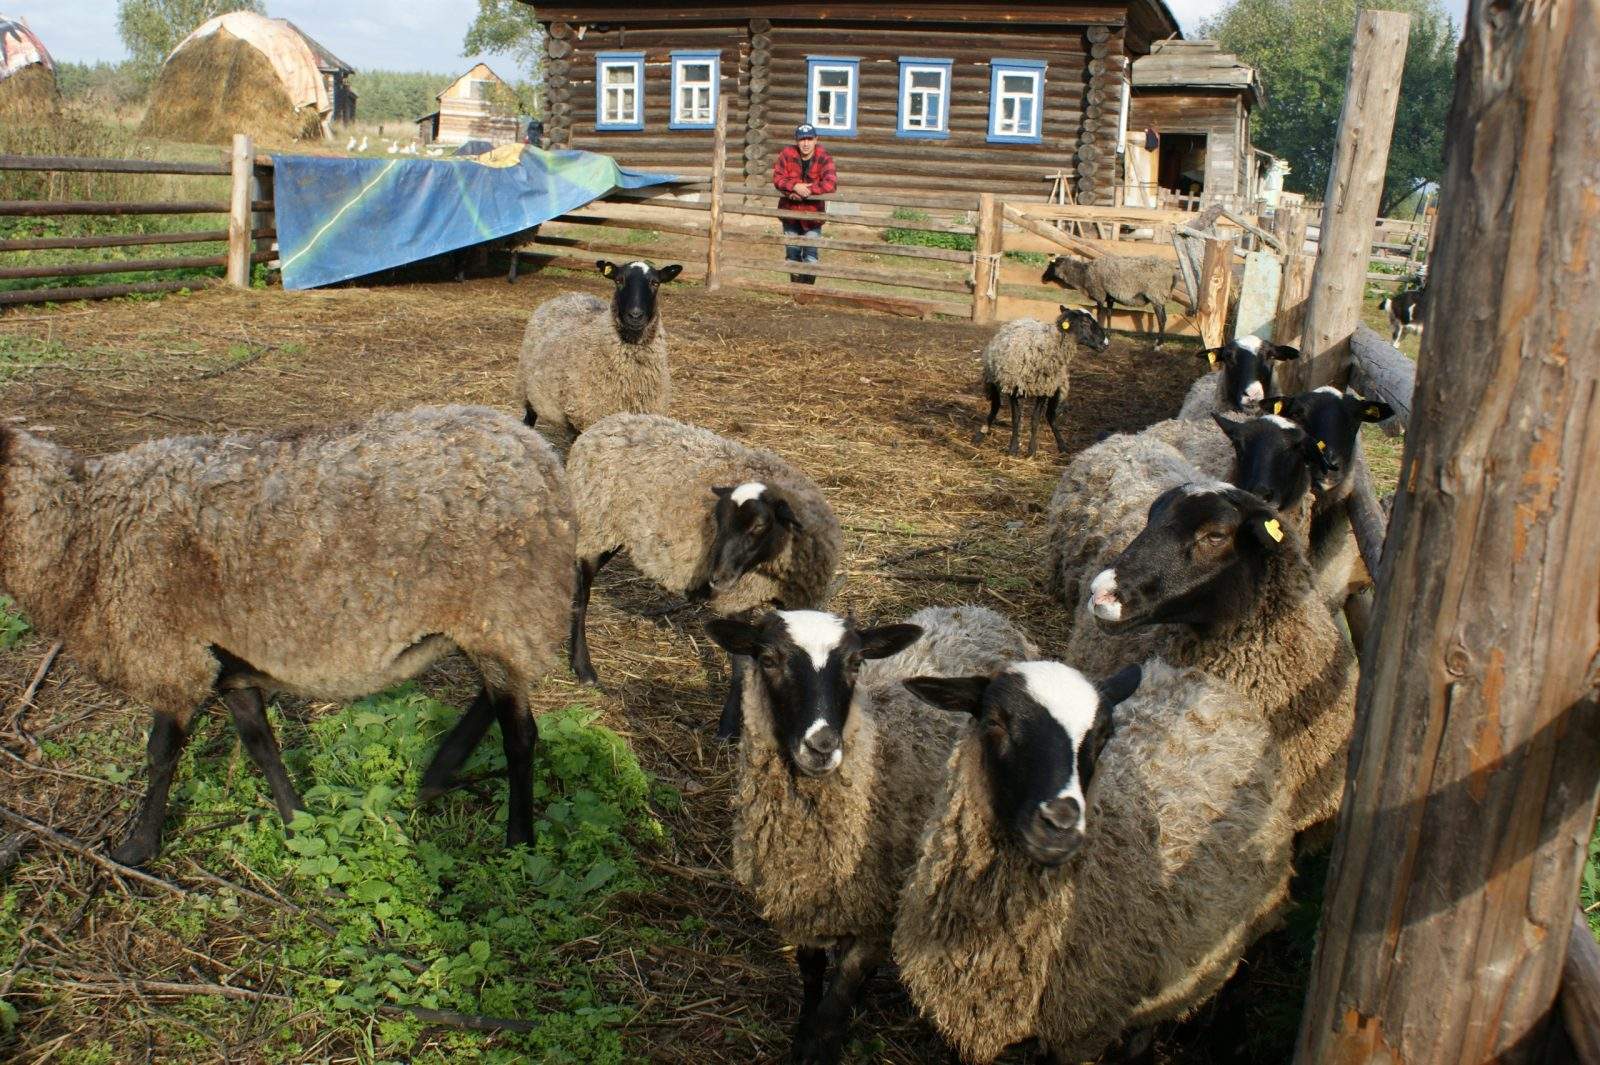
{"x":1240,"y":383}
{"x":1026,"y":357}
{"x":1073,"y":885}
{"x":583,"y":359}
{"x":1114,"y":279}
{"x":328,"y":563}
{"x":1406,"y":311}
{"x":701,"y":515}
{"x":838,"y":767}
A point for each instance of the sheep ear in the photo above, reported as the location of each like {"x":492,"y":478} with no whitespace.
{"x":667,"y":273}
{"x":1116,"y":688}
{"x":1284,"y":352}
{"x":1229,"y":426}
{"x":735,"y":637}
{"x":607,"y":268}
{"x":885,"y":640}
{"x":786,"y":516}
{"x":1212,"y":355}
{"x":961,"y":694}
{"x":722,"y":491}
{"x":1371,"y":410}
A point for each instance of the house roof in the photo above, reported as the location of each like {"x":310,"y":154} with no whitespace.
{"x":326,"y":60}
{"x":1196,"y":64}
{"x":440,"y":94}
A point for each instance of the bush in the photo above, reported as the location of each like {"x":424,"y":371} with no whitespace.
{"x":921,"y":237}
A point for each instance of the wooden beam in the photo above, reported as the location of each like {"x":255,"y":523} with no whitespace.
{"x":1216,"y":278}
{"x":1354,"y":192}
{"x":1379,"y":371}
{"x":1476,"y":753}
{"x":78,"y":165}
{"x":100,"y":292}
{"x":239,"y":221}
{"x":719,"y":172}
{"x":1580,"y":991}
{"x":986,"y":254}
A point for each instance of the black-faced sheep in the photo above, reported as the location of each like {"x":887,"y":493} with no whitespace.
{"x":838,"y":768}
{"x":329,"y":563}
{"x":1129,"y":280}
{"x":1406,"y":311}
{"x":1072,"y":889}
{"x":1029,"y":359}
{"x":584,"y":358}
{"x":1242,"y":380}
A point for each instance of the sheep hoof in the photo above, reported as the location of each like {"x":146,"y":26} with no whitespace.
{"x":977,"y":437}
{"x":429,"y":792}
{"x":587,"y":676}
{"x":135,"y":852}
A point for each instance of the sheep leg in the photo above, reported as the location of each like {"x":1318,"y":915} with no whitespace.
{"x":732,"y":720}
{"x":813,"y":963}
{"x":994,"y":412}
{"x":578,"y":647}
{"x":520,"y":734}
{"x":248,"y":707}
{"x":1016,"y":422}
{"x":456,"y":748}
{"x":530,"y":417}
{"x":1051,"y":409}
{"x":168,"y":734}
{"x":823,"y":1042}
{"x":1033,"y":424}
{"x":1161,"y":321}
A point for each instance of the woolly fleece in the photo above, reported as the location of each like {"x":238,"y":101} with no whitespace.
{"x":575,"y":369}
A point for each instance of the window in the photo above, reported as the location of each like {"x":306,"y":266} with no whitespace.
{"x":832,"y":81}
{"x":479,"y":89}
{"x":1016,"y":97}
{"x":619,"y":91}
{"x":694,"y":89}
{"x":924,"y":98}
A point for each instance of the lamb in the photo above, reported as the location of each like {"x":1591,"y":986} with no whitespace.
{"x":583,"y":359}
{"x":1128,"y":280}
{"x":328,"y":563}
{"x":1241,"y":383}
{"x":1406,"y":311}
{"x":838,"y":767}
{"x":1076,"y":906}
{"x":1028,"y":358}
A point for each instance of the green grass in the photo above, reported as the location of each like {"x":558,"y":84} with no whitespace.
{"x":1589,"y":890}
{"x":13,"y":626}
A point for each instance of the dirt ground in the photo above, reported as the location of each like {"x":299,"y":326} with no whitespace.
{"x":878,"y":409}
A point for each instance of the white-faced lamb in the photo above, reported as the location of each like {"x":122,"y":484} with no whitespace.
{"x":1032,"y":360}
{"x":584,"y":357}
{"x":1406,"y":310}
{"x":1240,"y":377}
{"x":838,"y":769}
{"x":328,"y":563}
{"x":1132,"y":281}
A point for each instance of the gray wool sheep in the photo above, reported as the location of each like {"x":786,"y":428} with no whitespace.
{"x":584,"y":358}
{"x":836,"y":779}
{"x":1184,"y":860}
{"x":1130,"y":280}
{"x":1030,"y":359}
{"x":328,"y":563}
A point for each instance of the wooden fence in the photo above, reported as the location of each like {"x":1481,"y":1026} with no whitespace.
{"x":246,"y":240}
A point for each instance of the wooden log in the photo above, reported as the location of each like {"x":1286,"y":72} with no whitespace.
{"x":760,"y":25}
{"x":1099,"y":51}
{"x":82,"y":165}
{"x":1580,"y":992}
{"x":1380,"y":371}
{"x":556,"y":48}
{"x":878,"y":223}
{"x":1097,"y":34}
{"x":124,"y":266}
{"x":1288,"y":327}
{"x":1045,"y":310}
{"x":687,"y":229}
{"x":1049,"y":233}
{"x":1476,"y":756}
{"x":719,"y":169}
{"x":908,"y":251}
{"x":240,"y":222}
{"x":902,"y":278}
{"x":46,"y":208}
{"x":899,"y":305}
{"x":558,"y":31}
{"x":121,"y":240}
{"x":1367,"y":519}
{"x":1216,"y":278}
{"x":1355,"y":187}
{"x":987,"y":251}
{"x":100,"y":292}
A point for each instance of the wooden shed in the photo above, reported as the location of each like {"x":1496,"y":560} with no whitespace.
{"x":969,"y":96}
{"x":474,"y":107}
{"x":1197,"y":99}
{"x":335,"y":77}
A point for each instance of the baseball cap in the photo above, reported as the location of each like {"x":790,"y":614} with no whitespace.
{"x":805,"y":129}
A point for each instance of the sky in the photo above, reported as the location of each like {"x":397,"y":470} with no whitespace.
{"x":373,"y":34}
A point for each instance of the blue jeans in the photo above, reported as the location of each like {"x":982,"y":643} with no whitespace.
{"x":797,"y":253}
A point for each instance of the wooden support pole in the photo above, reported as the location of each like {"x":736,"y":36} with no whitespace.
{"x":1476,"y":753}
{"x":1290,"y":324}
{"x":1216,"y":279}
{"x":1355,"y":187}
{"x":239,"y":227}
{"x":719,"y":183}
{"x":986,"y":258}
{"x":1580,"y":992}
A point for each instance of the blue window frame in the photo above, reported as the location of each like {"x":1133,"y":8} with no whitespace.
{"x":619,"y":91}
{"x":1016,"y":101}
{"x":924,"y":108}
{"x":696,"y":81}
{"x":831,"y":94}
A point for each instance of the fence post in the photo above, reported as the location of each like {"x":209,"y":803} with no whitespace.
{"x":264,"y":191}
{"x":719,"y":173}
{"x":1216,"y":278}
{"x":986,"y":259}
{"x":1355,"y":187}
{"x":239,"y":242}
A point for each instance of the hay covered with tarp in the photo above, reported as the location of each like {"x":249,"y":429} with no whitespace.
{"x":28,"y":91}
{"x":239,"y":73}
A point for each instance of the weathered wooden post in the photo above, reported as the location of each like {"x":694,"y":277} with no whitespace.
{"x":986,"y":250}
{"x":1476,"y":754}
{"x":719,"y":177}
{"x":239,"y":243}
{"x":1216,"y":279}
{"x":1355,"y":188}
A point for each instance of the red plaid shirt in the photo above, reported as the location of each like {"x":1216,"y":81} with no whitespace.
{"x":786,"y":175}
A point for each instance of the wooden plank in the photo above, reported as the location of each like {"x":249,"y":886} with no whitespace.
{"x":908,"y":199}
{"x":45,"y":208}
{"x":1008,"y":307}
{"x":1049,"y":234}
{"x":1355,"y":187}
{"x":1580,"y":991}
{"x":719,"y":169}
{"x":123,"y":266}
{"x":240,"y":222}
{"x":852,"y":220}
{"x":1289,"y":325}
{"x":1475,"y":761}
{"x":897,"y":278}
{"x":1380,"y":371}
{"x":899,"y":305}
{"x":101,"y":292}
{"x":1089,"y":213}
{"x":986,"y":258}
{"x":1028,"y":241}
{"x":83,"y":165}
{"x":562,"y":258}
{"x":684,"y":229}
{"x":1216,"y":278}
{"x":118,"y":240}
{"x":553,"y":245}
{"x":871,"y":247}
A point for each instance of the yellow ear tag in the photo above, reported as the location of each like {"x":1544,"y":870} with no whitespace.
{"x":608,"y":270}
{"x":1274,"y":530}
{"x":1065,"y":326}
{"x":1373,"y":411}
{"x":1322,"y":445}
{"x":1211,"y":358}
{"x":1277,"y":406}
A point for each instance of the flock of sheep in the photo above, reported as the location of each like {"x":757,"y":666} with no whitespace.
{"x":1068,"y":851}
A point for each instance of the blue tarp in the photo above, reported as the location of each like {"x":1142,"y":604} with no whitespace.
{"x":340,"y":218}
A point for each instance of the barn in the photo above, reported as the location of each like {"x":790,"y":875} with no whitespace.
{"x":1191,"y":105}
{"x":476,"y":106}
{"x":1018,"y":98}
{"x":335,"y":76}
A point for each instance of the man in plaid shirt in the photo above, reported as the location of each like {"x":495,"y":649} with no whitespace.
{"x":802,"y":171}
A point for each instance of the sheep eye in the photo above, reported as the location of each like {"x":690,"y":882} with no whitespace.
{"x":1217,"y":537}
{"x":770,"y":658}
{"x":853,"y":660}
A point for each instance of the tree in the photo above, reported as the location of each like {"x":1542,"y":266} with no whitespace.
{"x":151,"y":29}
{"x":1302,"y":50}
{"x":507,"y":27}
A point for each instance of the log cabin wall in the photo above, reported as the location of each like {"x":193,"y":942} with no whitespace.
{"x":1219,"y":114}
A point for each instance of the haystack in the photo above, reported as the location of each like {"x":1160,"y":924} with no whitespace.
{"x":239,"y":73}
{"x":28,"y":93}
